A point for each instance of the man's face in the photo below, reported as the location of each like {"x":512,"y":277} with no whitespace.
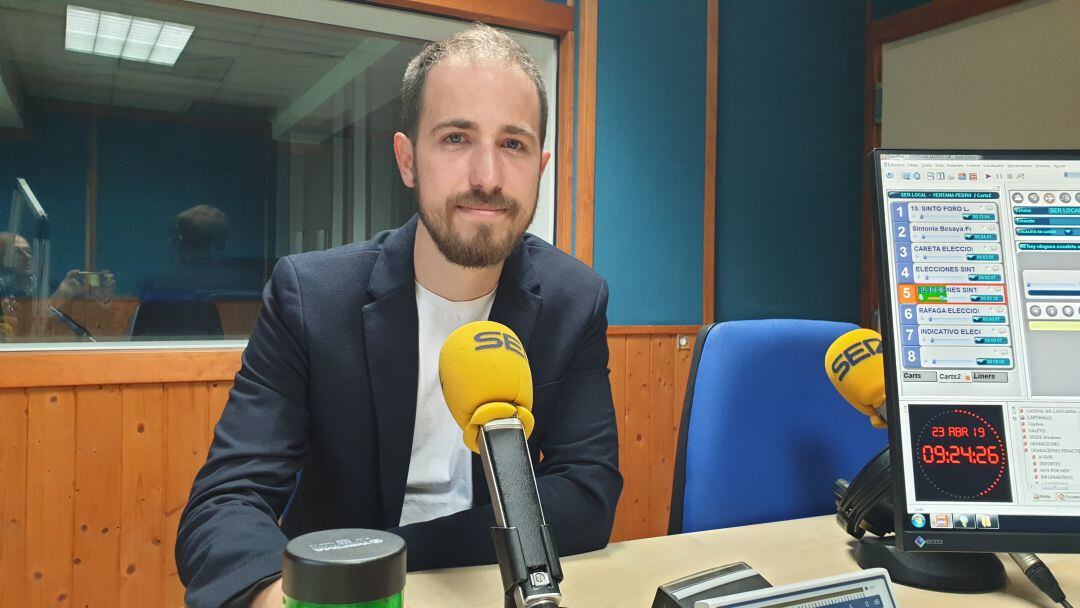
{"x":20,"y":258}
{"x":476,"y":161}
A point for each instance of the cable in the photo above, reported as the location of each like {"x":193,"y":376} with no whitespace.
{"x":1040,"y":575}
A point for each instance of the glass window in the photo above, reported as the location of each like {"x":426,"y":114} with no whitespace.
{"x":157,"y":158}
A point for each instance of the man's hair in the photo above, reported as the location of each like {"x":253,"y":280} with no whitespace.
{"x":203,"y":228}
{"x":478,"y":41}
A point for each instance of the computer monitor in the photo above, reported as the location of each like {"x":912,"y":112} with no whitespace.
{"x":980,"y":315}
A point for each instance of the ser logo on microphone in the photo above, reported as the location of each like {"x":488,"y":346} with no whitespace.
{"x":494,"y":339}
{"x":853,"y":355}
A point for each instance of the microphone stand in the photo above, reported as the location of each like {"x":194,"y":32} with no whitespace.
{"x":528,"y":561}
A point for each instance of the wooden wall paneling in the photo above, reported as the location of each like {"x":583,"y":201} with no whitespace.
{"x":14,"y":423}
{"x":636,"y":468}
{"x":98,"y":465}
{"x":661,"y":444}
{"x":650,"y":330}
{"x":564,"y":135}
{"x":121,"y":459}
{"x":142,"y":495}
{"x":533,"y":15}
{"x":50,"y":496}
{"x":931,"y":16}
{"x":708,"y":272}
{"x":186,"y":418}
{"x":683,"y":359}
{"x":218,"y":394}
{"x":238,"y":317}
{"x":617,"y":365}
{"x":586,"y":132}
{"x":93,"y":367}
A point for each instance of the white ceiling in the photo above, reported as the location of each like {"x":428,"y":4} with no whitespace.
{"x":237,"y":64}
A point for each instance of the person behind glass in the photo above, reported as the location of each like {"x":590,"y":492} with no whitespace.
{"x":18,"y":283}
{"x":180,"y":302}
{"x":199,"y":240}
{"x":336,"y":418}
{"x":202,"y":233}
{"x":16,"y":266}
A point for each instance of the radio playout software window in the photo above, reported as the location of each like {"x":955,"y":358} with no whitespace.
{"x":981,"y":308}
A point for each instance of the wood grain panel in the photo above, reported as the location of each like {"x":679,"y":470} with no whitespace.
{"x":564,"y":134}
{"x":186,"y":417}
{"x":647,"y":463}
{"x":142,"y":495}
{"x":98,"y":465}
{"x":238,"y":317}
{"x":662,"y":446}
{"x":586,"y":132}
{"x":652,"y":330}
{"x":683,"y":359}
{"x":218,"y":395}
{"x":617,"y":365}
{"x":111,"y":322}
{"x":638,"y":435}
{"x":708,"y":269}
{"x":14,"y":422}
{"x":533,"y":15}
{"x":92,"y":367}
{"x":114,"y":465}
{"x":50,"y":496}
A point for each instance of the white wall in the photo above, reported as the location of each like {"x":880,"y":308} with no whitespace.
{"x":1007,"y":79}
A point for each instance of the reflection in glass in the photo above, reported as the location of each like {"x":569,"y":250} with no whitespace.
{"x":167,"y":192}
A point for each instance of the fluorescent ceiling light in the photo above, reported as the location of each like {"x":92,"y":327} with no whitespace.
{"x":118,"y":35}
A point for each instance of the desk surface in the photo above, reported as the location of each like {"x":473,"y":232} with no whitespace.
{"x":626,"y":574}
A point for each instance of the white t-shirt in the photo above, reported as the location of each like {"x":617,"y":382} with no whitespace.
{"x":440,"y":468}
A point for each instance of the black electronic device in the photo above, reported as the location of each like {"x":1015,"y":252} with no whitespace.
{"x":980,"y":307}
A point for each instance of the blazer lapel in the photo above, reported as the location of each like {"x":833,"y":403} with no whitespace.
{"x":517,"y":300}
{"x":392,"y":343}
{"x":517,"y":304}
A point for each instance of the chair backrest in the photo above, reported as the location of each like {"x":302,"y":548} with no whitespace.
{"x":764,"y":434}
{"x":164,"y":319}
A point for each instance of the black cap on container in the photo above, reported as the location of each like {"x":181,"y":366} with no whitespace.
{"x":344,"y":566}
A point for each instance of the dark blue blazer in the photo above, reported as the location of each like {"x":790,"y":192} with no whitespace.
{"x":328,"y":389}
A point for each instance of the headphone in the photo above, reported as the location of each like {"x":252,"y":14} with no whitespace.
{"x":863,"y":505}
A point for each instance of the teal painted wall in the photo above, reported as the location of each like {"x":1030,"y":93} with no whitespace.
{"x":650,"y":141}
{"x":148,"y":172}
{"x":789,"y":161}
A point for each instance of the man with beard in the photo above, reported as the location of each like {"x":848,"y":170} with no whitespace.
{"x":337,"y":419}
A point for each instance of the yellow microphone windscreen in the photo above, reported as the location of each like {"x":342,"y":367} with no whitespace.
{"x":485,"y":376}
{"x":855,"y":365}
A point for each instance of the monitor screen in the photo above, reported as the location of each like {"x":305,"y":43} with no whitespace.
{"x":980,"y":317}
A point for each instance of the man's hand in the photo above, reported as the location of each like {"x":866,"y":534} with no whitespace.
{"x":71,"y":287}
{"x":270,"y":597}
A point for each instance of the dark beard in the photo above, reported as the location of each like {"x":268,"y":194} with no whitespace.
{"x":485,"y":248}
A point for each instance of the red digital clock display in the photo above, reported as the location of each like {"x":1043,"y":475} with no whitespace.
{"x":959,"y":453}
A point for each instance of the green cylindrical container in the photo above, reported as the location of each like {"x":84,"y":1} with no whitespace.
{"x":349,"y":568}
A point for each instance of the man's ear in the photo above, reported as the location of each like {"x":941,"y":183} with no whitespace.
{"x":403,"y":152}
{"x":544,"y":158}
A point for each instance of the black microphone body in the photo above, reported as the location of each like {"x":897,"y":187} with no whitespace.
{"x":528,"y":561}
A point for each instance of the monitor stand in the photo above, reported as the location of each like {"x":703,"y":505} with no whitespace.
{"x":954,"y":572}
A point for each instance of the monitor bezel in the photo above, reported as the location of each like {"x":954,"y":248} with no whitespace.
{"x":998,"y":542}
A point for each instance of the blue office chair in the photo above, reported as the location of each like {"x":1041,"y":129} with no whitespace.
{"x":764,"y":434}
